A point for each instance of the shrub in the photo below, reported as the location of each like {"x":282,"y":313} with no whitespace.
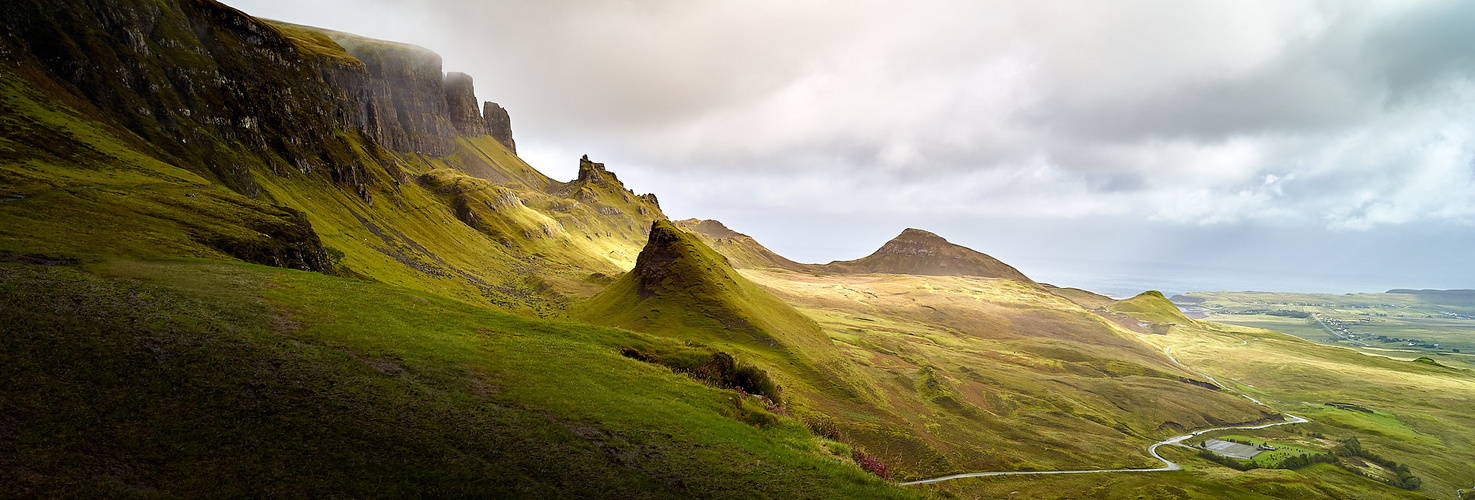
{"x":871,"y":464}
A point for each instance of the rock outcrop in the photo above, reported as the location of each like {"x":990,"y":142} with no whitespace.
{"x":499,"y":125}
{"x":461,"y":105}
{"x":915,"y":251}
{"x":594,"y":173}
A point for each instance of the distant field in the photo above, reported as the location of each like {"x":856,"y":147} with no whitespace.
{"x":1440,"y":326}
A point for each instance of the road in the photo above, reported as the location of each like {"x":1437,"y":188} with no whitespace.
{"x":1336,"y":333}
{"x":1168,"y":465}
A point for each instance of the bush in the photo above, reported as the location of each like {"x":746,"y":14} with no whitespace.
{"x":1406,"y":479}
{"x":1303,"y":460}
{"x":871,"y":464}
{"x":719,"y":369}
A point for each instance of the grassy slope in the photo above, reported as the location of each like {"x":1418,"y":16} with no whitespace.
{"x":237,"y":378}
{"x":75,"y":184}
{"x":1421,"y":416}
{"x":326,"y":371}
{"x":704,"y":300}
{"x":740,"y":249}
{"x":1422,"y":412}
{"x":965,"y":374}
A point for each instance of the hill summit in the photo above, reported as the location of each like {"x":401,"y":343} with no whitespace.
{"x":915,"y":251}
{"x":681,"y":287}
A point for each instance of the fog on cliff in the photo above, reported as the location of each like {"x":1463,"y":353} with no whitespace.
{"x":1288,"y":145}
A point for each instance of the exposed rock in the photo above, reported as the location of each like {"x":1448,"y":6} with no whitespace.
{"x":499,"y":125}
{"x":594,"y":173}
{"x":671,"y":260}
{"x":461,"y":105}
{"x":651,"y":199}
{"x":399,"y":97}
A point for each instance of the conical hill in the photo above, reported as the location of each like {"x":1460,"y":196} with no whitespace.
{"x":681,"y":287}
{"x":1151,"y":306}
{"x":919,"y":252}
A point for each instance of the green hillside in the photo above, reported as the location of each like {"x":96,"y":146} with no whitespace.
{"x":740,"y":249}
{"x":253,"y":258}
{"x":1151,"y":306}
{"x":243,"y":380}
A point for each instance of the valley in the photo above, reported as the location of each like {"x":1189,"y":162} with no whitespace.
{"x":242,"y":257}
{"x":1402,"y":324}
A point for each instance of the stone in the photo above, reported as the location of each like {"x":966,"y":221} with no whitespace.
{"x":461,"y":105}
{"x":499,"y":125}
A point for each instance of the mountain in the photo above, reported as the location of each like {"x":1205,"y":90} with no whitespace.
{"x":919,"y":252}
{"x":242,"y":257}
{"x":741,"y":250}
{"x":208,"y":133}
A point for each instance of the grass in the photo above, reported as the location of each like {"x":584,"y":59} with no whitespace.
{"x":963,"y":365}
{"x":1283,"y":448}
{"x":234,"y":378}
{"x":1420,"y":413}
{"x":443,"y":363}
{"x":1151,"y":306}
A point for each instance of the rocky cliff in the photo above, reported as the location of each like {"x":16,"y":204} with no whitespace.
{"x":147,"y":105}
{"x":499,"y":125}
{"x":399,"y":96}
{"x":180,"y":74}
{"x":461,"y":105}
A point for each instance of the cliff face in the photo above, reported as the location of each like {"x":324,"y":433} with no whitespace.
{"x":268,"y":110}
{"x":399,"y":99}
{"x":499,"y":125}
{"x":180,"y":75}
{"x":184,"y":73}
{"x":461,"y":105}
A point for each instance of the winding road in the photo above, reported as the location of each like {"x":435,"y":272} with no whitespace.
{"x":1168,"y":465}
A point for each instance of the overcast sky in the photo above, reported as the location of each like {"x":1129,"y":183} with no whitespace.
{"x":1299,"y":146}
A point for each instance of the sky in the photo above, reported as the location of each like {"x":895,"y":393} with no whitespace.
{"x":1314,"y":146}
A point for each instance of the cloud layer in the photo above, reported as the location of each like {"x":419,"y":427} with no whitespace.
{"x":1328,"y":115}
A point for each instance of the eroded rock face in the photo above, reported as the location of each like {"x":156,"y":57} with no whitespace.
{"x":180,"y":74}
{"x":594,"y":173}
{"x":461,"y":105}
{"x":654,"y":271}
{"x":399,"y":98}
{"x":499,"y":125}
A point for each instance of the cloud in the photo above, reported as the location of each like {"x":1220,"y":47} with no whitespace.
{"x":1337,"y":116}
